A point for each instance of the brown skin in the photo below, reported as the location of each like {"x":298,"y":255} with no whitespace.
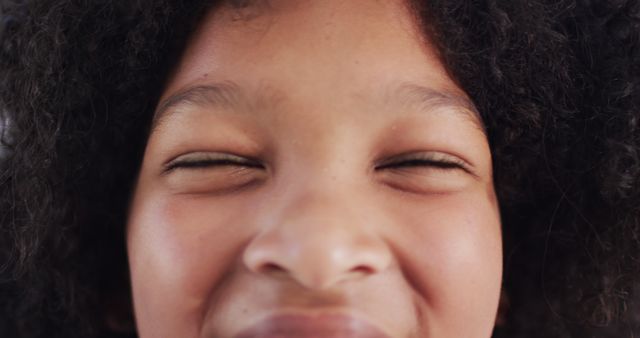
{"x":360,"y":180}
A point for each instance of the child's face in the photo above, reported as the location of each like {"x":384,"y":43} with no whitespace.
{"x":314,"y":173}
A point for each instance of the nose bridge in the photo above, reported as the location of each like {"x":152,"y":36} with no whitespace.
{"x":319,"y":218}
{"x":318,"y":235}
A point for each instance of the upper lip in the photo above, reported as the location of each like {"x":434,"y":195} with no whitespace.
{"x":307,"y":326}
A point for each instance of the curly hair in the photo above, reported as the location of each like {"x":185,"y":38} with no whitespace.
{"x":557,"y":84}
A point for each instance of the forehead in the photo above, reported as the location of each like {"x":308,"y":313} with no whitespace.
{"x":318,"y":53}
{"x":308,"y":37}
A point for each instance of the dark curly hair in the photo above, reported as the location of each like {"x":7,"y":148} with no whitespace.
{"x":557,"y":83}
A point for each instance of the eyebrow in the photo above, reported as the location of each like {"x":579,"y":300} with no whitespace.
{"x":429,"y":99}
{"x":229,"y":95}
{"x":224,"y":95}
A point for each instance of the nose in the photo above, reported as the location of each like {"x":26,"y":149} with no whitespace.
{"x":318,"y":242}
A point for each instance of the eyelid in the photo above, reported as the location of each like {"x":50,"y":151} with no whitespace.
{"x":204,"y":156}
{"x":429,"y":156}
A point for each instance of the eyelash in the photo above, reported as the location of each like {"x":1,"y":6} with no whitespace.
{"x":206,"y":163}
{"x":441,"y":164}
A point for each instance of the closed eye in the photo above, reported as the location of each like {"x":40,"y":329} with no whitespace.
{"x":202,"y":160}
{"x":425,"y":160}
{"x":422,"y":163}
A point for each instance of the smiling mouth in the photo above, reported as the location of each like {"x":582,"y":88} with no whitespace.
{"x":321,"y":326}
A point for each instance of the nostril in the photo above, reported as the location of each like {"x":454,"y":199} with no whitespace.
{"x":272,"y":268}
{"x":362,"y":269}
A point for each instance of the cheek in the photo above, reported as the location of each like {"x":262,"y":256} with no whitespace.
{"x":181,"y":248}
{"x":451,"y":252}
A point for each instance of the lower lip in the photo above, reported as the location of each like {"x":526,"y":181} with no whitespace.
{"x":322,"y":326}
